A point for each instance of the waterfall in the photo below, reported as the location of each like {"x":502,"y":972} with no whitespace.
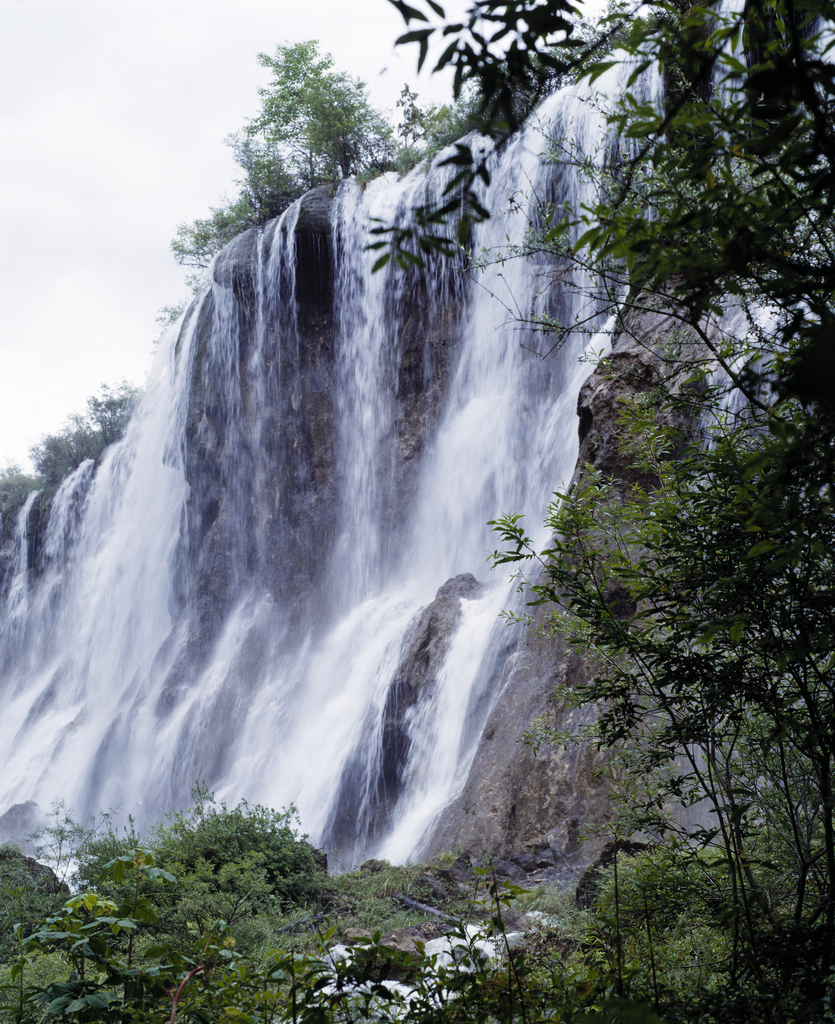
{"x":233,"y":593}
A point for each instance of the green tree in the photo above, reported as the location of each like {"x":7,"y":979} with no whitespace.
{"x":197,"y":244}
{"x":706,"y":597}
{"x":265,"y":189}
{"x":85,"y":436}
{"x":316,"y":125}
{"x":15,"y":487}
{"x":323,"y":118}
{"x":244,"y":865}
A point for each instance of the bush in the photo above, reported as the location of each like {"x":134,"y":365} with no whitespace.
{"x":28,"y":891}
{"x":666,"y":910}
{"x":244,"y":865}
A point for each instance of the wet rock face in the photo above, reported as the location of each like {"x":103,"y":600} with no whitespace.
{"x":648,"y":360}
{"x":527,"y":810}
{"x":424,"y":650}
{"x":422,"y":655}
{"x":281,"y":424}
{"x":530,"y":810}
{"x":276,"y":434}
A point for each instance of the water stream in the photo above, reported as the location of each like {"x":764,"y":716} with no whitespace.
{"x":228,"y":596}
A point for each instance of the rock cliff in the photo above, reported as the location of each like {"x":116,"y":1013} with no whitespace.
{"x":542,"y":811}
{"x":260,"y":554}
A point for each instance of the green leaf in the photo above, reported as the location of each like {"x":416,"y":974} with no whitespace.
{"x":409,"y":13}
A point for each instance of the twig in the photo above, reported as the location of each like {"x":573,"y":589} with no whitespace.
{"x":407,"y":901}
{"x":310,"y":919}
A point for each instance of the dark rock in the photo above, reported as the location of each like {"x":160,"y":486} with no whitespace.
{"x":235,"y":266}
{"x":43,"y":877}
{"x":373,"y":867}
{"x":459,"y":871}
{"x":422,"y":656}
{"x":434,"y":886}
{"x":527,"y":862}
{"x":315,"y":211}
{"x":507,"y":869}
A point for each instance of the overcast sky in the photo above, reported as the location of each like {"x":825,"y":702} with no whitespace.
{"x":112,"y":120}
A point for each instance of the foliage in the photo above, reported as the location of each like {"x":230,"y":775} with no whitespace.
{"x":708,"y":606}
{"x":27,"y":893}
{"x":113,"y":974}
{"x":316,"y":125}
{"x":265,"y":189}
{"x":322,"y":117}
{"x":502,"y":45}
{"x":666,"y":907}
{"x":505,"y":58}
{"x":85,"y":436}
{"x":244,"y":864}
{"x":197,"y":244}
{"x":15,"y":487}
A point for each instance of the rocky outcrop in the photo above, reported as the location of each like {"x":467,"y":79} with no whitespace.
{"x":19,"y":822}
{"x":17,"y":869}
{"x":422,"y":655}
{"x":651,"y":360}
{"x":547,"y":810}
{"x":424,"y":650}
{"x":529,"y":809}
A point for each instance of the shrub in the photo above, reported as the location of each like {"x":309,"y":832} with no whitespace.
{"x":28,"y":891}
{"x":243,"y":865}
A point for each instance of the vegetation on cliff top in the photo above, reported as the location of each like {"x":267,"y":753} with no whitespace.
{"x":316,"y":126}
{"x":83,"y":436}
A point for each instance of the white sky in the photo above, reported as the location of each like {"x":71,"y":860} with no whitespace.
{"x":112,"y":120}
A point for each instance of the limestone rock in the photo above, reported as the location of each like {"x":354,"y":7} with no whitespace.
{"x":18,"y":822}
{"x":422,"y":655}
{"x":531,"y":811}
{"x":315,"y":211}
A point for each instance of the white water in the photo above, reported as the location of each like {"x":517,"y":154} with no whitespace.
{"x":209,"y":609}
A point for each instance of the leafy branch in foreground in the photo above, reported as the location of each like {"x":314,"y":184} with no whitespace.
{"x":706,"y":604}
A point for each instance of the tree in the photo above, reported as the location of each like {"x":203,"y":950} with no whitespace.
{"x":316,"y":126}
{"x":265,"y":190}
{"x":322,"y":117}
{"x":85,"y":436}
{"x":197,"y":244}
{"x":15,"y":487}
{"x":707,"y":598}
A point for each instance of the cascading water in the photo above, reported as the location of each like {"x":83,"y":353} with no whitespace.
{"x":233,"y":594}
